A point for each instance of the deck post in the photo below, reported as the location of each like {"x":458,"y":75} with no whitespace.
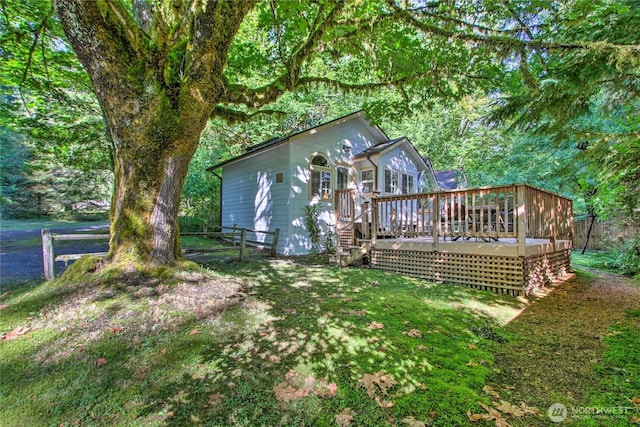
{"x":364,"y":210}
{"x":521,"y":219}
{"x":48,"y":255}
{"x":435,"y":221}
{"x":374,"y":219}
{"x":243,"y":243}
{"x":274,"y":243}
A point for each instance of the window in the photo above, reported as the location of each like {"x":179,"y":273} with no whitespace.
{"x":407,"y":184}
{"x":342,"y":177}
{"x":366,"y":181}
{"x":398,"y":183}
{"x":320,"y":178}
{"x":390,"y":181}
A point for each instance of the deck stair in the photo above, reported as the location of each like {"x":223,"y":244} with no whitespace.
{"x":351,"y":254}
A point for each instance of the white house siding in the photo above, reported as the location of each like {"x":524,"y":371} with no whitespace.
{"x":327,"y":141}
{"x":251,"y":197}
{"x":397,"y":160}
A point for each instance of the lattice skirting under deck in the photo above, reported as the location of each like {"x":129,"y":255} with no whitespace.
{"x":506,"y":275}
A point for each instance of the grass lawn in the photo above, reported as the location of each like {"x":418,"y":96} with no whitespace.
{"x":273,"y":343}
{"x":268,"y":343}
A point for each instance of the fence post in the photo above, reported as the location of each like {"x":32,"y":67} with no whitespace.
{"x":243,"y":243}
{"x":48,"y":255}
{"x":274,"y":243}
{"x":233,"y":234}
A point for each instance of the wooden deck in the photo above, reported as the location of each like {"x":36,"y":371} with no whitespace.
{"x":508,"y":239}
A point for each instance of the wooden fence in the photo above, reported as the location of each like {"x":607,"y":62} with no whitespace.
{"x":236,"y":237}
{"x":600,"y":233}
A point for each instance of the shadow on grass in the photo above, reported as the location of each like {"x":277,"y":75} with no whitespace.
{"x":214,"y":348}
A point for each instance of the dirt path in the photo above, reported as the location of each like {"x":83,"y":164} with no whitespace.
{"x":559,"y":339}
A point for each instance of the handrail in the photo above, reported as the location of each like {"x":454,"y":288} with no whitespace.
{"x":517,"y":211}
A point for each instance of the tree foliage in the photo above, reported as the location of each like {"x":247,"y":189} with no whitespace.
{"x":164,"y":72}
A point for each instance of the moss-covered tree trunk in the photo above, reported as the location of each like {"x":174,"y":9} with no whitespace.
{"x":157,"y":82}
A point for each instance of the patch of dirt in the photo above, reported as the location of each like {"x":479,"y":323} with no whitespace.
{"x":560,"y":337}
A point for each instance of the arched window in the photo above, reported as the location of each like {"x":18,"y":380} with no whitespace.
{"x":320,"y":174}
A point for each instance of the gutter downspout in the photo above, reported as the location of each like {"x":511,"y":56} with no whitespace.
{"x":375,"y":174}
{"x":220,"y":202}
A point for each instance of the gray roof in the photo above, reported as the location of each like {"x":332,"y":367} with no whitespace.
{"x":378,"y":148}
{"x":449,"y":179}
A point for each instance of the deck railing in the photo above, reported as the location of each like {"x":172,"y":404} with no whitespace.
{"x":345,"y":205}
{"x":490,"y":213}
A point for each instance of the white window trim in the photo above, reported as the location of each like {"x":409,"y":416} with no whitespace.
{"x":372,"y":180}
{"x":316,"y":168}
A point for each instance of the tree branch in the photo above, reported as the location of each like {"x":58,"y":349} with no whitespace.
{"x":234,"y":116}
{"x":33,"y":47}
{"x":489,"y":41}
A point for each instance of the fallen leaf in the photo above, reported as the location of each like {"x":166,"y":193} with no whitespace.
{"x":475,"y":417}
{"x":284,"y":391}
{"x":376,"y":383}
{"x":406,"y":323}
{"x":100,"y":361}
{"x":412,"y":422}
{"x":471,"y":363}
{"x":376,"y":325}
{"x":635,"y":400}
{"x":635,"y":420}
{"x":194,"y":331}
{"x":345,"y":417}
{"x":415,"y":333}
{"x":332,"y":389}
{"x":116,"y":330}
{"x":3,"y":306}
{"x":20,"y":330}
{"x":490,"y":391}
{"x":216,"y":399}
{"x":373,"y":340}
{"x":164,"y":351}
{"x":385,"y":404}
{"x":472,"y":346}
{"x":529,"y":409}
{"x":509,"y":408}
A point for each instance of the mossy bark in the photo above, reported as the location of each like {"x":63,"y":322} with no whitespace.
{"x":157,"y":94}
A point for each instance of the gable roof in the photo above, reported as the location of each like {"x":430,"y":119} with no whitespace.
{"x":449,"y":179}
{"x":265,"y":145}
{"x":378,"y":148}
{"x":386,"y":146}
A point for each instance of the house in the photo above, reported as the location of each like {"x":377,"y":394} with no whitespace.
{"x":383,"y":200}
{"x":451,"y":179}
{"x":269,"y":185}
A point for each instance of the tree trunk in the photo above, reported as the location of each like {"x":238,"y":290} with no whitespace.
{"x":157,"y":93}
{"x":586,"y":241}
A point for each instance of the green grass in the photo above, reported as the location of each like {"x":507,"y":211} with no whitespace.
{"x":191,"y":349}
{"x":595,"y":259}
{"x":619,"y":374}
